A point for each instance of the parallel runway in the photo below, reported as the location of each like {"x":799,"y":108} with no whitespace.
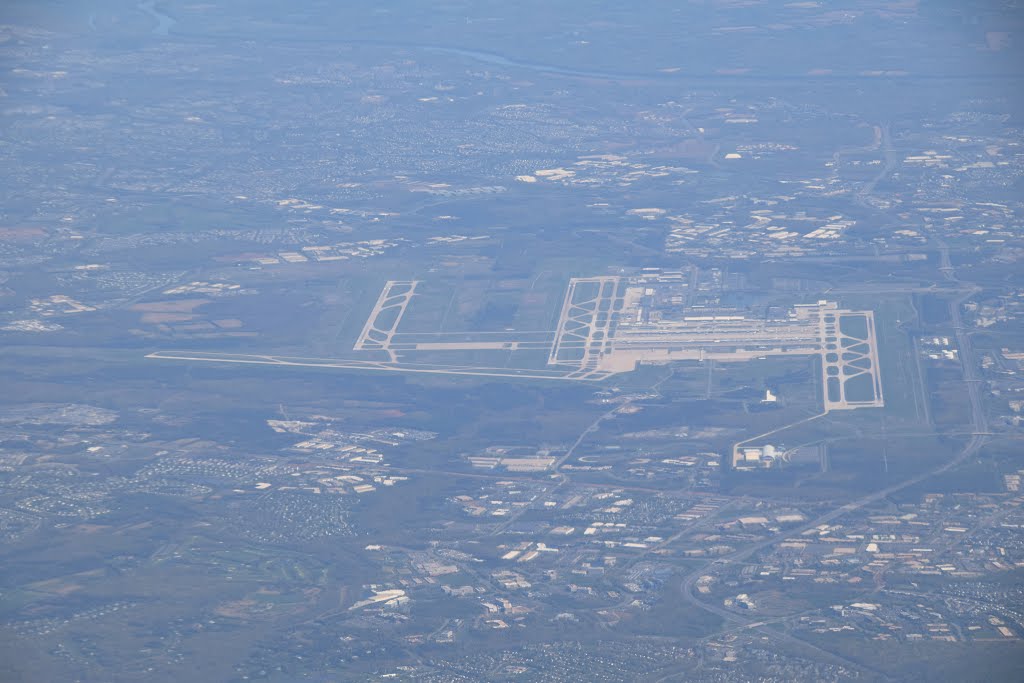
{"x":607,"y":326}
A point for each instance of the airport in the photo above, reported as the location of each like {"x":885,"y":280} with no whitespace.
{"x":608,"y":325}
